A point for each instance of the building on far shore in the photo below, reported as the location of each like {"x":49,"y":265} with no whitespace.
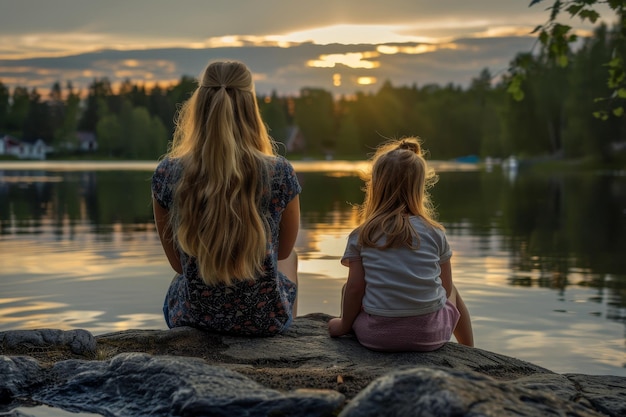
{"x":22,"y":149}
{"x":87,"y":141}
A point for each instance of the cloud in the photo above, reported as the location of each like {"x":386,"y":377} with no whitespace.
{"x":50,"y":28}
{"x":284,"y":70}
{"x":202,"y":19}
{"x":328,"y":44}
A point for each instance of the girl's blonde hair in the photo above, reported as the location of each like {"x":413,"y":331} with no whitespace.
{"x":225,"y":152}
{"x":397,"y":188}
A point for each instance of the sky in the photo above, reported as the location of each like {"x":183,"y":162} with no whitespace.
{"x":343,"y":46}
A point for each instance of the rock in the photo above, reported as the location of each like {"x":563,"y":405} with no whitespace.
{"x":606,"y":394}
{"x":427,"y":392}
{"x":138,"y":384}
{"x":80,"y":342}
{"x":19,"y":373}
{"x":184,"y":370}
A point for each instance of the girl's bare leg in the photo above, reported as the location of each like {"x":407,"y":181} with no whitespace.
{"x":289,"y":267}
{"x":463,"y":330}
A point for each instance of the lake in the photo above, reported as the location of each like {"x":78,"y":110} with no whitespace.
{"x":539,"y":259}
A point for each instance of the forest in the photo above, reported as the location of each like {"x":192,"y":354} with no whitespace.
{"x":556,"y":119}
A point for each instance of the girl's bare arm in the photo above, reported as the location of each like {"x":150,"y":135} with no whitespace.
{"x":463,"y":331}
{"x":446,"y":277}
{"x":351,"y":302}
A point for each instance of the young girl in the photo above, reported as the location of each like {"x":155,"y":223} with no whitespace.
{"x":399,"y":295}
{"x":227,"y":211}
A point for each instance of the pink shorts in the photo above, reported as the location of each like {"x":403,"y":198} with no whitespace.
{"x":400,"y":334}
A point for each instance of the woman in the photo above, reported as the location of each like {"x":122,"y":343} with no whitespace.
{"x":227,"y":211}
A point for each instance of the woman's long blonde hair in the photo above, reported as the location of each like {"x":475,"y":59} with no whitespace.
{"x":224,"y":149}
{"x":397,"y":188}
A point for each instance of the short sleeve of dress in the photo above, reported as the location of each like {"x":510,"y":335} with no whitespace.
{"x":164,"y":179}
{"x":353,"y":250}
{"x":289,"y":184}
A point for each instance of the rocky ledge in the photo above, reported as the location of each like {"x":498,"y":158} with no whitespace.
{"x":187,"y":372}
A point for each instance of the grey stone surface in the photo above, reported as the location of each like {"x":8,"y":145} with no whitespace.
{"x":606,"y":393}
{"x":138,"y":384}
{"x":427,"y":392}
{"x":186,"y":371}
{"x":307,"y":345}
{"x":80,"y":342}
{"x":18,"y":374}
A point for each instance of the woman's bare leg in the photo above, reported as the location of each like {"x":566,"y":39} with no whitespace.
{"x":463,"y":330}
{"x":289,"y":267}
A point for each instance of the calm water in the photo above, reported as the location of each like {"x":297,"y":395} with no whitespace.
{"x":539,"y":260}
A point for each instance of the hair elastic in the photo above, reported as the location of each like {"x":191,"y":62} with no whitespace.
{"x":409,"y":146}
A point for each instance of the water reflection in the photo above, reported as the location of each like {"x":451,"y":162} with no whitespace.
{"x":538,"y":259}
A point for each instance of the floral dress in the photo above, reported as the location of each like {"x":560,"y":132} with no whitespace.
{"x":262,"y":307}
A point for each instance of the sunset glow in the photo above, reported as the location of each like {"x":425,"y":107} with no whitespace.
{"x":352,"y":60}
{"x":336,"y":80}
{"x":366,"y":80}
{"x":414,"y":50}
{"x":354,"y":34}
{"x":291,"y":47}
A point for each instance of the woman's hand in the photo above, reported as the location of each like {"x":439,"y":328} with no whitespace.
{"x":336,"y":328}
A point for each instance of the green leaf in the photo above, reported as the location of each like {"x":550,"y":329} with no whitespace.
{"x":589,"y":14}
{"x":616,"y":77}
{"x":556,"y":9}
{"x":621,"y":93}
{"x":554,"y":50}
{"x":515,"y":87}
{"x":618,"y":111}
{"x":573,"y":10}
{"x":562,"y":61}
{"x":615,"y":62}
{"x":602,"y":115}
{"x":559,"y":30}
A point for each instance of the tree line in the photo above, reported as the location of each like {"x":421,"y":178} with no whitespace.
{"x":555,"y":118}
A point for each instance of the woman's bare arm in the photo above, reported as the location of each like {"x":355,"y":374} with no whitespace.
{"x":289,"y":227}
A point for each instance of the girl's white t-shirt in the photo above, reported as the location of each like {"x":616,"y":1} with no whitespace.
{"x":403,"y":282}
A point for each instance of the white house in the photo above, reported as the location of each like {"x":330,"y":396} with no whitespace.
{"x":23,"y":149}
{"x":34,"y":150}
{"x":10,"y":146}
{"x":87,"y":141}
